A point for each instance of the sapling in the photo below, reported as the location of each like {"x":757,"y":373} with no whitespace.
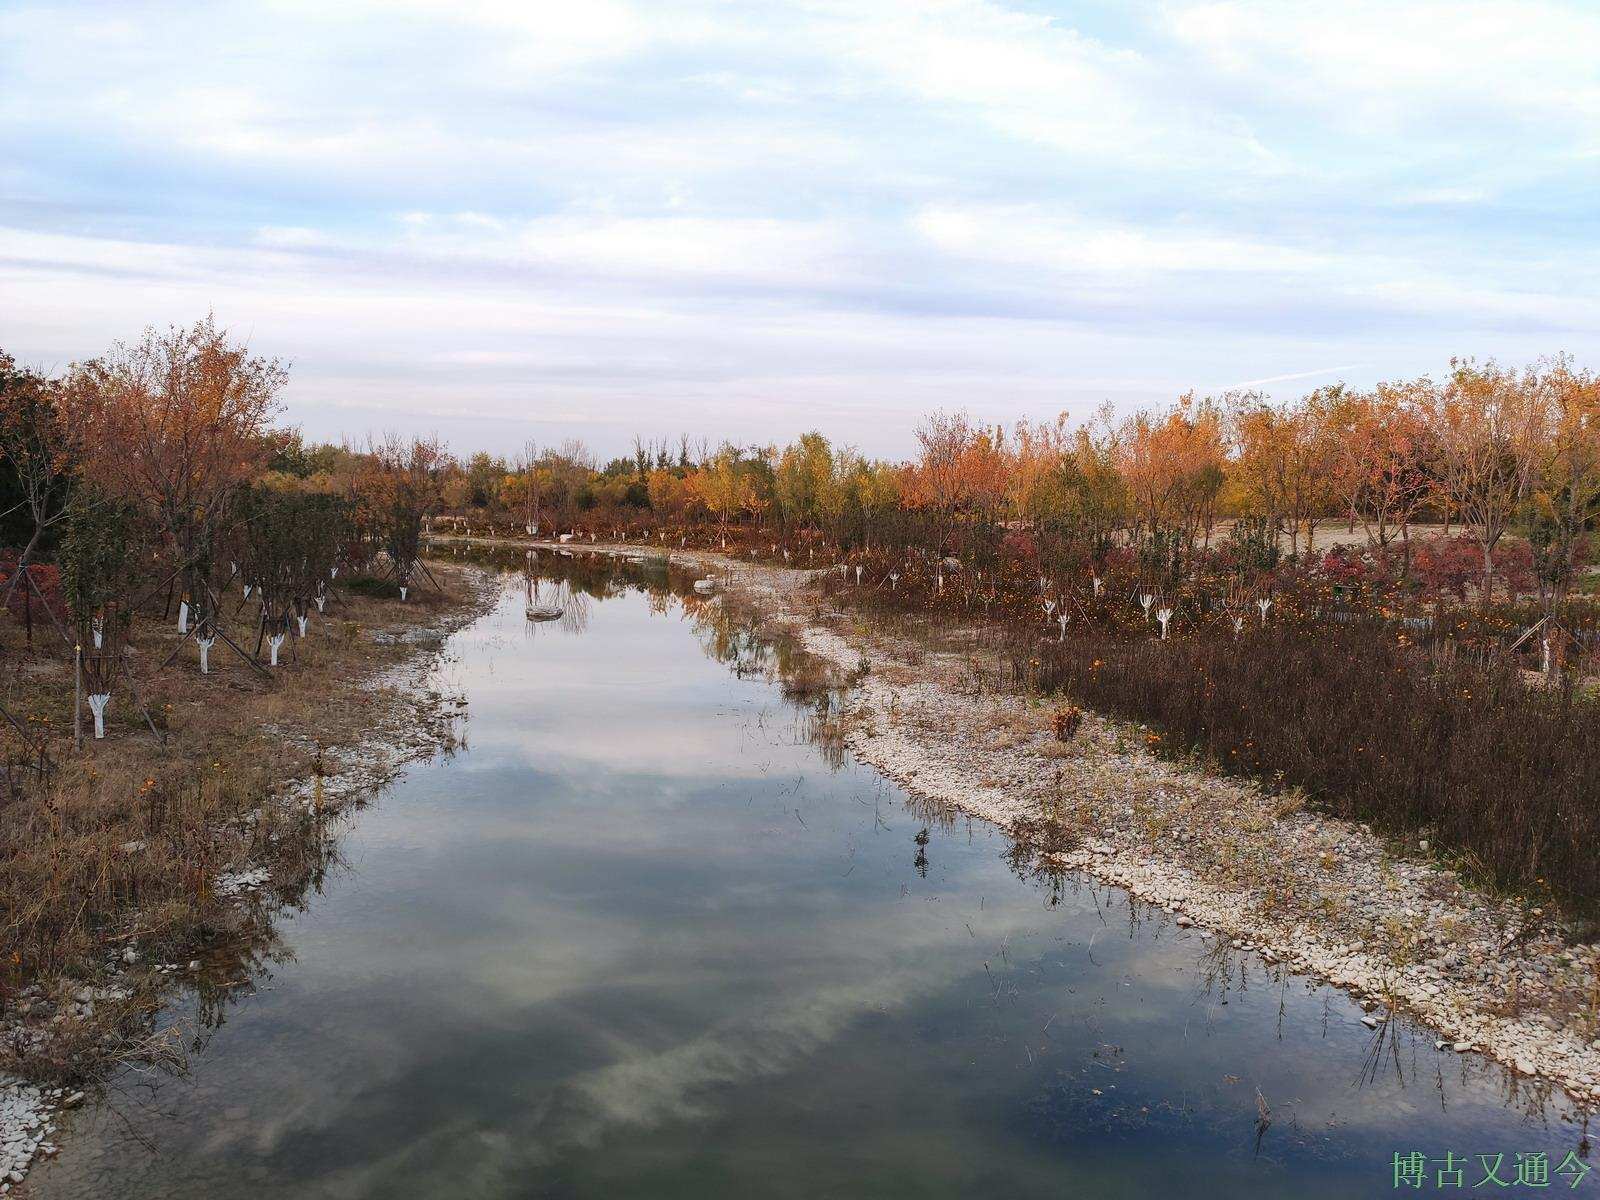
{"x":1263,"y":604}
{"x":1062,"y":621}
{"x":1098,"y":584}
{"x":275,"y":643}
{"x":1145,"y":601}
{"x":1238,"y":626}
{"x":1164,"y":615}
{"x":1049,"y":608}
{"x":205,"y":641}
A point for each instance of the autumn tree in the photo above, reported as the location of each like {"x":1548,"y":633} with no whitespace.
{"x":175,"y":424}
{"x":1565,"y":497}
{"x":1172,"y":465}
{"x":1284,"y":456}
{"x":1384,"y":458}
{"x":721,"y":487}
{"x":803,"y":478}
{"x":1489,"y":423}
{"x":398,"y":491}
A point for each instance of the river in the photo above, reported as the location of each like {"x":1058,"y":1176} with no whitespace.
{"x":645,"y":934}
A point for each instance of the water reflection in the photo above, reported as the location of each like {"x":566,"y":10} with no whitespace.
{"x":657,"y":934}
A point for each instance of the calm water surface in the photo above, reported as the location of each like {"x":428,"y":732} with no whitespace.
{"x":644,"y":936}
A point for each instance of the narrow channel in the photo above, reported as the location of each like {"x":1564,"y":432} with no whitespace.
{"x":645,"y":935}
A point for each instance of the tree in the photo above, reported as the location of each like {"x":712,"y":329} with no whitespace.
{"x":1566,"y":492}
{"x":803,"y":477}
{"x":722,"y":488}
{"x":1385,"y":457}
{"x":398,"y":491}
{"x":175,"y":424}
{"x":40,"y":446}
{"x":1173,"y":468}
{"x":1489,"y":423}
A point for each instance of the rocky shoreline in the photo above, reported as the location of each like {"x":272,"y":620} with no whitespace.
{"x":1312,"y":894}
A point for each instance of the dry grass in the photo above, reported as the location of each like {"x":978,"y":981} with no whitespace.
{"x":120,"y":849}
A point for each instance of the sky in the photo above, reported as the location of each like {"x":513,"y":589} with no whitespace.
{"x":598,"y":218}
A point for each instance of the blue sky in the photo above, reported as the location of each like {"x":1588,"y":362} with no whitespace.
{"x":509,"y":220}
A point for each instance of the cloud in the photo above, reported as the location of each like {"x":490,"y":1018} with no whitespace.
{"x":479,"y":216}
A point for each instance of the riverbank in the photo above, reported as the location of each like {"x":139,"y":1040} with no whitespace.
{"x":1305,"y":892}
{"x":147,"y":866}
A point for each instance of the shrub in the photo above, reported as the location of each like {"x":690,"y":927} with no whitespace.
{"x":1374,"y":729}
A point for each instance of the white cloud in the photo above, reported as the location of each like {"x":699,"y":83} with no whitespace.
{"x":1396,"y":66}
{"x":1022,"y":235}
{"x":751,"y":219}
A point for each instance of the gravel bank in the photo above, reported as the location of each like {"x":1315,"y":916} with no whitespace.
{"x":1320,"y":896}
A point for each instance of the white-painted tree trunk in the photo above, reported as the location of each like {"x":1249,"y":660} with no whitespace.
{"x":333,"y":572}
{"x":321,"y":600}
{"x":1098,"y":584}
{"x":858,"y":576}
{"x":248,"y":588}
{"x":403,"y":591}
{"x":275,"y":643}
{"x":205,"y":645}
{"x":97,"y":706}
{"x":1165,"y":617}
{"x":97,"y":631}
{"x":301,"y":622}
{"x":183,"y":616}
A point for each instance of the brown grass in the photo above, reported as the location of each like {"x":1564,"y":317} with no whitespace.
{"x":121,"y":847}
